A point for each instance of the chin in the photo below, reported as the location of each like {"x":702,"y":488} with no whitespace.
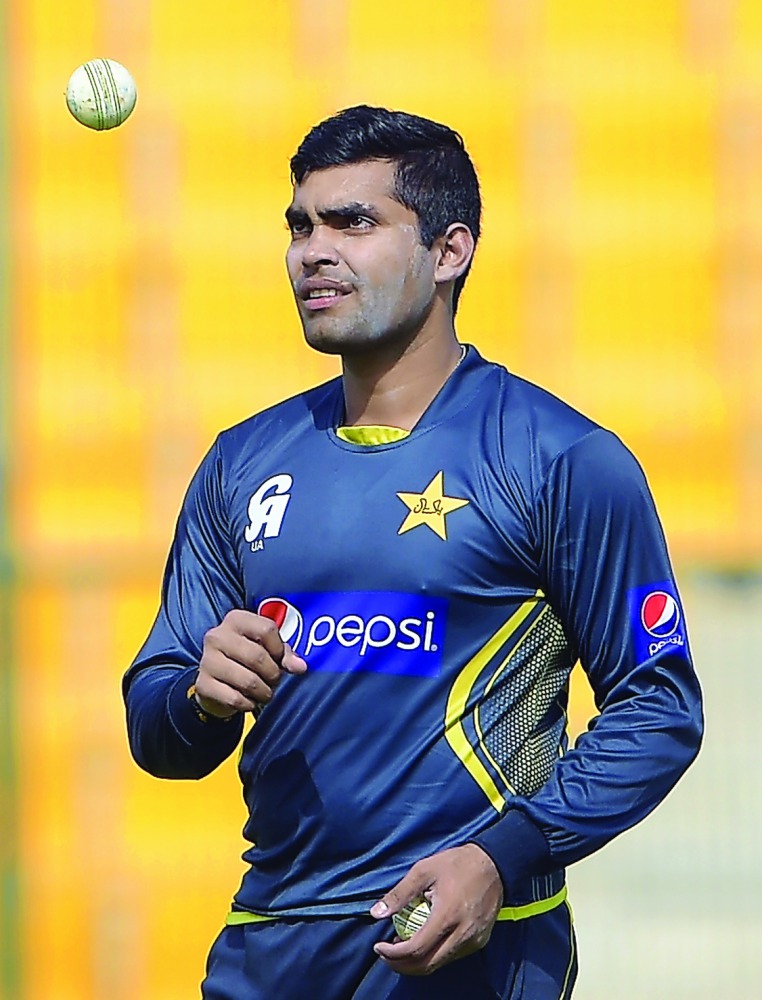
{"x":327,"y":346}
{"x":326,"y":341}
{"x":343,"y":341}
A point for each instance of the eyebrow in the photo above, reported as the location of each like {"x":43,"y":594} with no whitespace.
{"x":348,"y":211}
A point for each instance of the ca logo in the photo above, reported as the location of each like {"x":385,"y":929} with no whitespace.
{"x":267,"y":508}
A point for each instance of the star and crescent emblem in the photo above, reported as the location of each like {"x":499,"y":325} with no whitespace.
{"x":430,"y":507}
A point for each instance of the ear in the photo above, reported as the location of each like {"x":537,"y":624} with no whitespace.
{"x":456,"y":248}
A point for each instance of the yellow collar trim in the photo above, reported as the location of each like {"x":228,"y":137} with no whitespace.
{"x":371,"y":434}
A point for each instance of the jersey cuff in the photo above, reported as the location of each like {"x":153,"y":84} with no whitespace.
{"x":517,"y":847}
{"x":193,"y":724}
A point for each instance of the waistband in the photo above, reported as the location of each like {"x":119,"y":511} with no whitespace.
{"x":520,"y":912}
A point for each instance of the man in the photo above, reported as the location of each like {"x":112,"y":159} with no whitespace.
{"x":394,"y":573}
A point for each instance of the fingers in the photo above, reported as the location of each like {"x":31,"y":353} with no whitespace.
{"x":292,"y":663}
{"x":415,"y":883}
{"x":443,"y":938}
{"x":221,"y":699}
{"x":264,"y":632}
{"x":242,"y":663}
{"x":220,"y":671}
{"x":256,"y":629}
{"x":431,"y":947}
{"x":465,"y":892}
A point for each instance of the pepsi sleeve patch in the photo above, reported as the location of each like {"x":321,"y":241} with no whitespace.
{"x":656,"y":620}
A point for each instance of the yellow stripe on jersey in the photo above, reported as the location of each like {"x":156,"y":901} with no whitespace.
{"x":456,"y":704}
{"x":532,"y":909}
{"x":237,"y":917}
{"x":371,"y":434}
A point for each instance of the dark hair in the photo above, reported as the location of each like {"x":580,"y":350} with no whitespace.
{"x":434,"y":175}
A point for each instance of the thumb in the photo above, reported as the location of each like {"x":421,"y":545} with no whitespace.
{"x":405,"y":891}
{"x":292,"y":663}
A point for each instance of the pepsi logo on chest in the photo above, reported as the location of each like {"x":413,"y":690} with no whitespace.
{"x":367,"y":631}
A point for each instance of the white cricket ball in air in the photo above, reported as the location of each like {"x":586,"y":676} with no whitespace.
{"x":101,"y":94}
{"x":411,"y":917}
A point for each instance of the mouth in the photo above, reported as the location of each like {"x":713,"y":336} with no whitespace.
{"x":317,"y":295}
{"x":322,"y":298}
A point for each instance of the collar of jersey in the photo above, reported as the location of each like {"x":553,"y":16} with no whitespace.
{"x":454,"y":395}
{"x":371,"y":434}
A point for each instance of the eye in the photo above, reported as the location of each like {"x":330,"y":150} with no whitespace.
{"x":298,"y":224}
{"x":298,"y":228}
{"x":359,"y":222}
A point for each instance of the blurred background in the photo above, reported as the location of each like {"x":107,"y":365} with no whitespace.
{"x":145,"y":307}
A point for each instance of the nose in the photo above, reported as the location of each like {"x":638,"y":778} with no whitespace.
{"x":319,"y":248}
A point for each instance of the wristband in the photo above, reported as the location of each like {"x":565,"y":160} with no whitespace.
{"x":201,"y":715}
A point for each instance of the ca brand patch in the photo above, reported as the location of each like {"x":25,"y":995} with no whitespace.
{"x":267,"y":508}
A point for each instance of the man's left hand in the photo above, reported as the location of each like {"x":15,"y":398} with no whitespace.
{"x":465,"y":892}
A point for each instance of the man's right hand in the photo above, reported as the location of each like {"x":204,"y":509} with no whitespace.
{"x":242,"y":663}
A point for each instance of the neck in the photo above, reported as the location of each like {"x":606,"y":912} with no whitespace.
{"x":393,"y":388}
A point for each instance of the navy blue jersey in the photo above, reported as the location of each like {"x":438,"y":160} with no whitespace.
{"x":440,"y":588}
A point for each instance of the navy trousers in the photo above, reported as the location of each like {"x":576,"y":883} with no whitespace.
{"x":333,"y":959}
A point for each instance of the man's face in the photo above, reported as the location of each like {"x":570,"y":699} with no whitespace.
{"x":361,"y":277}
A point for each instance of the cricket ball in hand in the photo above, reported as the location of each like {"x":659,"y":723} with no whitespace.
{"x":411,"y":917}
{"x":101,"y":94}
